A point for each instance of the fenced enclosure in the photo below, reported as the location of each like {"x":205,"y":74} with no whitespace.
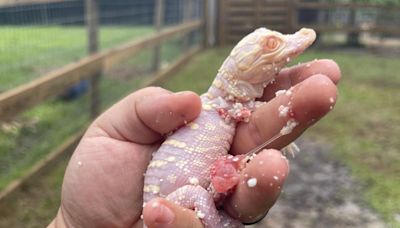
{"x":239,"y":17}
{"x":63,"y":61}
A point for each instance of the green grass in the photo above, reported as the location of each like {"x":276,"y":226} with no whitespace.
{"x":36,"y":206}
{"x":364,"y":127}
{"x":28,"y":52}
{"x":34,"y":133}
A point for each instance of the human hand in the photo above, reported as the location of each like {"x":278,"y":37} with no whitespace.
{"x":103,"y":184}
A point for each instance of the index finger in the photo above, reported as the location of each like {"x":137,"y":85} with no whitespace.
{"x":294,"y":75}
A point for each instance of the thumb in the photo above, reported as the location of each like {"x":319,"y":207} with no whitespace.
{"x":161,"y":213}
{"x":144,"y":116}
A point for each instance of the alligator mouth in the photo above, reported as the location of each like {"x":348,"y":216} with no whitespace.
{"x":298,"y":42}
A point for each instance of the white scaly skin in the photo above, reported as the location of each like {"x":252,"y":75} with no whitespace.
{"x":180,"y":169}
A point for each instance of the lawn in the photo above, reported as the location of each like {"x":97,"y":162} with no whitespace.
{"x":36,"y":132}
{"x":361,"y":130}
{"x":26,"y":52}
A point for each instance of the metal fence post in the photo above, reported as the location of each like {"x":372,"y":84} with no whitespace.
{"x":92,"y":26}
{"x":158,"y":24}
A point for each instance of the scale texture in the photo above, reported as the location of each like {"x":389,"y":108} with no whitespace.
{"x":181,"y":168}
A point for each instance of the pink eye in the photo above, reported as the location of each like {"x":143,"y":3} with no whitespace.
{"x":271,"y":43}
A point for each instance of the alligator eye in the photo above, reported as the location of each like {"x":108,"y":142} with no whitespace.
{"x":271,"y":43}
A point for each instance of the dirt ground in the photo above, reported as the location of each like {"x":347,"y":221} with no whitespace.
{"x":319,"y":192}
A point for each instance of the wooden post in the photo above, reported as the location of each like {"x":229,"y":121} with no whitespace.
{"x":257,"y":13}
{"x":293,"y":15}
{"x":206,"y":26}
{"x":158,"y":23}
{"x":221,"y":22}
{"x":187,"y":16}
{"x":92,"y":26}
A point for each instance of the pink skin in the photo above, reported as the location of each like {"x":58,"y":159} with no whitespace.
{"x":225,"y":173}
{"x":179,"y":170}
{"x":106,"y":191}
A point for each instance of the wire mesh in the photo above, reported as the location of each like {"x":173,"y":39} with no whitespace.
{"x":38,"y":38}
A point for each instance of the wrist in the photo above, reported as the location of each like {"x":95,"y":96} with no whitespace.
{"x":58,"y":221}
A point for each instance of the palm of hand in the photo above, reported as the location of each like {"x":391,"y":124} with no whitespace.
{"x":103,"y":184}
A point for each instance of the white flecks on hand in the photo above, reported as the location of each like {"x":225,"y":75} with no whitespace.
{"x":280,"y":92}
{"x":79,"y":163}
{"x":331,"y":100}
{"x":258,"y":104}
{"x":155,"y":204}
{"x":250,"y":157}
{"x":272,"y":81}
{"x":200,"y":214}
{"x":276,"y":177}
{"x":289,"y":93}
{"x":194,"y":181}
{"x":290,"y":125}
{"x":283,"y":111}
{"x":252,"y":182}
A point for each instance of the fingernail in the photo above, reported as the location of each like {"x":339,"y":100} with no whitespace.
{"x":163,"y":215}
{"x":182,"y":93}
